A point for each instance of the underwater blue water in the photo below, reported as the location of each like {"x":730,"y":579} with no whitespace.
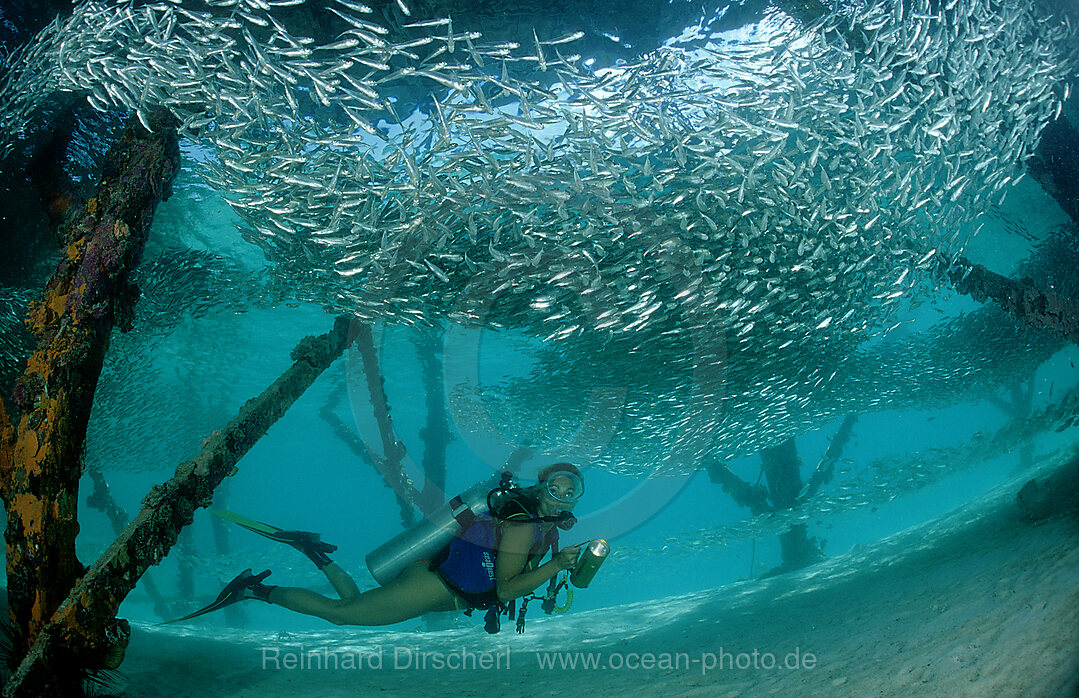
{"x":301,"y":476}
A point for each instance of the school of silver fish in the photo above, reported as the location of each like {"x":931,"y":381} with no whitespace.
{"x":719,"y":220}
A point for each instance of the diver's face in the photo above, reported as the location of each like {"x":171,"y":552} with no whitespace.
{"x":559,"y":494}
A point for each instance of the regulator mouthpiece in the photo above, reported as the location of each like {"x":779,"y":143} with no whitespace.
{"x":565,"y":520}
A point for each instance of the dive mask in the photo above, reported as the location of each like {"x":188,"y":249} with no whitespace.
{"x":564,"y":487}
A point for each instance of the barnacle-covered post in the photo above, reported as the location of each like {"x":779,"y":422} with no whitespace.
{"x":435,"y":433}
{"x":86,"y":296}
{"x":782,"y":470}
{"x":88,"y":613}
{"x":393,"y":450}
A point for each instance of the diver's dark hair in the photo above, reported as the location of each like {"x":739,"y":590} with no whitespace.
{"x":557,"y":468}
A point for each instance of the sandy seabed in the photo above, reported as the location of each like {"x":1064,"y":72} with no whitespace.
{"x":978,"y":603}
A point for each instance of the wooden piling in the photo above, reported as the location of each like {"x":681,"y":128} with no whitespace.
{"x":85,"y":627}
{"x":89,"y":293}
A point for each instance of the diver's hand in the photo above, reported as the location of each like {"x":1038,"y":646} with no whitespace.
{"x":567,"y":557}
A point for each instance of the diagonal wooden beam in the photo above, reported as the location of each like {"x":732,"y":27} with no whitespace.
{"x":744,"y":494}
{"x":1035,"y":306}
{"x":85,"y":625}
{"x":101,"y":499}
{"x":822,"y":474}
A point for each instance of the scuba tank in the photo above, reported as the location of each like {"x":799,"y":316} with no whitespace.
{"x":428,"y":536}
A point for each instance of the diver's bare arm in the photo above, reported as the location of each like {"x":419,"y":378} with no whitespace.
{"x":510,"y":578}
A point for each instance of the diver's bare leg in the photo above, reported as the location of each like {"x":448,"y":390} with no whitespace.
{"x":342,"y":581}
{"x":415,"y":592}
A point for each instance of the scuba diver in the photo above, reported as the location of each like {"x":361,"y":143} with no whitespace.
{"x":492,"y":559}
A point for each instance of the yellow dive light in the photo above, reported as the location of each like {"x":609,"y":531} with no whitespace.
{"x":591,"y":558}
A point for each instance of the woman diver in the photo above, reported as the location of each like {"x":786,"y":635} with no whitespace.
{"x":486,"y":566}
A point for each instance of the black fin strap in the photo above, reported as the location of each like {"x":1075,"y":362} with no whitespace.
{"x":262,"y":592}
